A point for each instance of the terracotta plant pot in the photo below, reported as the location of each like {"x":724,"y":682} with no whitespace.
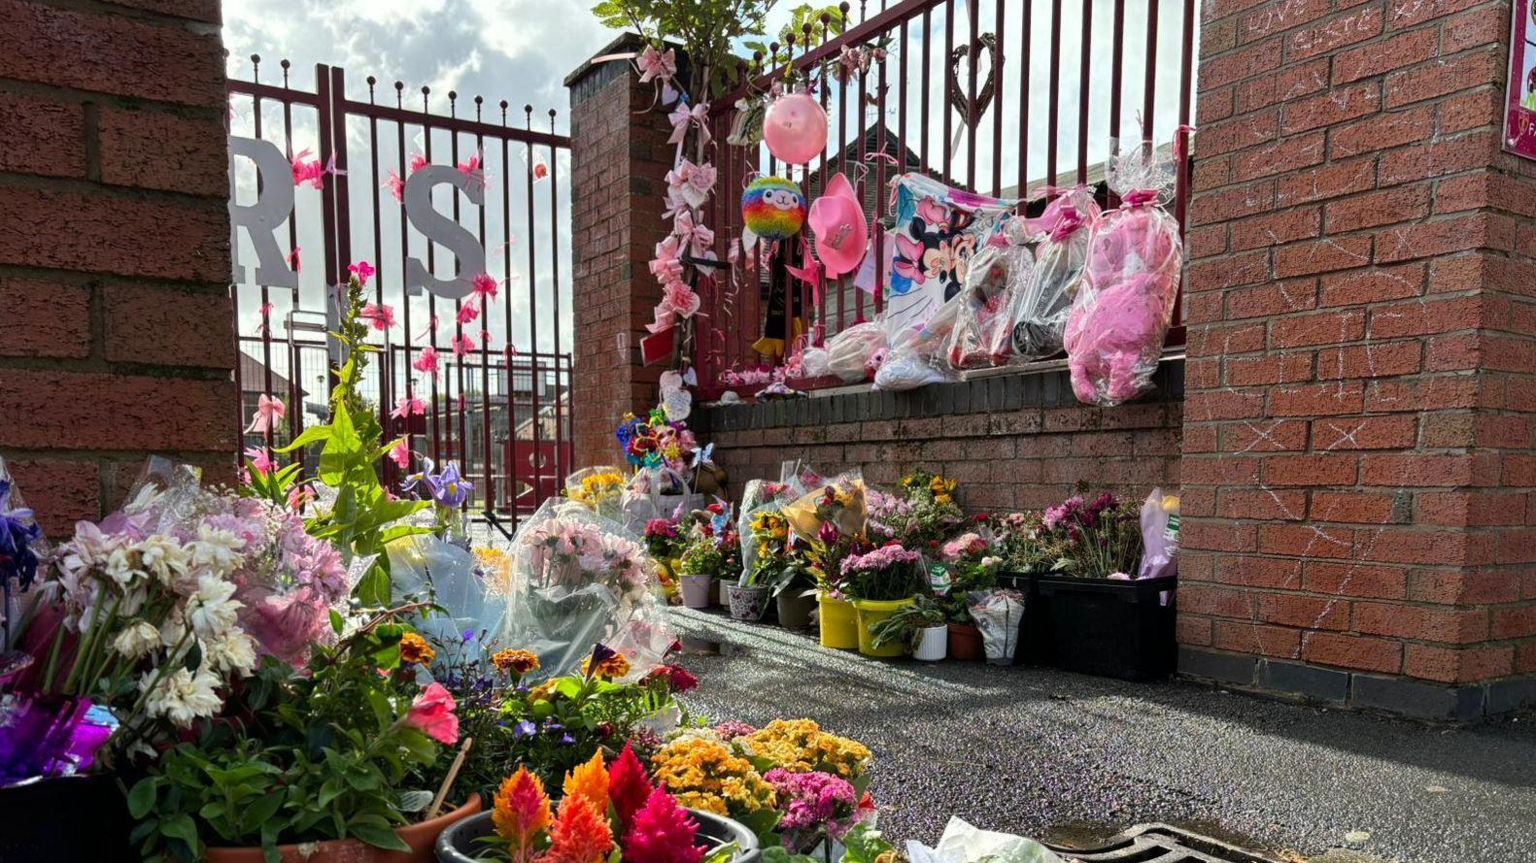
{"x":839,"y":623}
{"x":871,"y":612}
{"x":422,"y":838}
{"x":698,"y":590}
{"x":795,"y":609}
{"x":964,"y":642}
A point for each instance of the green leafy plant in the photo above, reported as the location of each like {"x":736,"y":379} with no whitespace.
{"x":365,"y":517}
{"x":314,"y":756}
{"x":905,"y":626}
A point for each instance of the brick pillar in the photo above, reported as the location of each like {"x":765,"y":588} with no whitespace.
{"x":619,"y":161}
{"x":115,"y":321}
{"x":1358,"y":429}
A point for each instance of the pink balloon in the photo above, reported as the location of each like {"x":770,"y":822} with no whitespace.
{"x":795,"y":128}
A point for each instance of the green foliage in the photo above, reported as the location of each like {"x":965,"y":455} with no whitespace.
{"x":306,"y":762}
{"x":800,"y":17}
{"x":864,"y":845}
{"x":907,"y":623}
{"x":708,"y":31}
{"x":364,"y":518}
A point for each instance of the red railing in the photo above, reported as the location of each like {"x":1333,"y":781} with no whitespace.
{"x":502,"y":408}
{"x":1001,"y":127}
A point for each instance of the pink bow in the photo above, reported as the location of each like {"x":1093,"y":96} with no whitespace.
{"x":690,"y":183}
{"x":1068,"y":222}
{"x":699,"y":236}
{"x":667,"y":266}
{"x":682,"y":117}
{"x":1138,"y":198}
{"x":427,"y":362}
{"x":268,"y":412}
{"x":657,"y":65}
{"x":409,"y":406}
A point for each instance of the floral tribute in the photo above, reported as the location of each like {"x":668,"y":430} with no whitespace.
{"x":608,"y":813}
{"x":655,"y":441}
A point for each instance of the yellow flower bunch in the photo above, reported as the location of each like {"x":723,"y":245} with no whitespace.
{"x":800,"y":746}
{"x":597,"y":487}
{"x":705,"y":773}
{"x":495,"y":568}
{"x":770,"y":525}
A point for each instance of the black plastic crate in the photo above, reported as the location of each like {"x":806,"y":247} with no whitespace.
{"x":1121,"y":629}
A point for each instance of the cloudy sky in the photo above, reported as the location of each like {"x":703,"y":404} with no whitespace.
{"x":521,"y":50}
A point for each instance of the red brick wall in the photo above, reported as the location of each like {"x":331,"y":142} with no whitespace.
{"x":1357,"y":441}
{"x":1013,"y":441}
{"x":619,"y":161}
{"x":115,"y":323}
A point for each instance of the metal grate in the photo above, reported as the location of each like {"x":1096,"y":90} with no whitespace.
{"x":1160,"y":843}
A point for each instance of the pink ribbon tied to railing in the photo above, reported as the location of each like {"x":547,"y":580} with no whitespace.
{"x":1068,"y":223}
{"x":269,"y":411}
{"x":682,"y":117}
{"x":1139,"y":198}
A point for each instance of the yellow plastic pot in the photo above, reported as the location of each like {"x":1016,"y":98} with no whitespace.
{"x":871,"y":612}
{"x":839,"y":623}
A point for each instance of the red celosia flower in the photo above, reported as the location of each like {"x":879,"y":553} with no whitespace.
{"x":520,"y":813}
{"x":662,"y":833}
{"x":628,"y":786}
{"x":580,"y":833}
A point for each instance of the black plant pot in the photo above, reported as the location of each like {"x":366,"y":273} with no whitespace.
{"x":66,"y":819}
{"x":458,"y":843}
{"x":1122,"y":629}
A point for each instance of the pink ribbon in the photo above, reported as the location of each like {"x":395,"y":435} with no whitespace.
{"x":682,"y":117}
{"x":268,"y":412}
{"x":1138,"y":198}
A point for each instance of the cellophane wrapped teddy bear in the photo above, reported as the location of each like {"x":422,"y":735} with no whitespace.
{"x":1120,"y":317}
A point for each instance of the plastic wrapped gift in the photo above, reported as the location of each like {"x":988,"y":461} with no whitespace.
{"x":573,"y":578}
{"x":855,"y":353}
{"x":840,"y":503}
{"x":659,"y":492}
{"x":964,"y":843}
{"x":1120,"y":317}
{"x":998,"y":275}
{"x":1039,"y":313}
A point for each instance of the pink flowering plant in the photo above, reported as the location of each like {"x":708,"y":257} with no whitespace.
{"x":816,"y":807}
{"x":573,"y":549}
{"x":303,"y":756}
{"x":888,"y":572}
{"x":1087,"y":539}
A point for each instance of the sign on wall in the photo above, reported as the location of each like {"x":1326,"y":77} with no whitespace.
{"x":1520,"y":107}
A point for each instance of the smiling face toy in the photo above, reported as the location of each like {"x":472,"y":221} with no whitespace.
{"x":773,"y":208}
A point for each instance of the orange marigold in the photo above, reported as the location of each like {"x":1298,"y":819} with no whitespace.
{"x":580,"y":833}
{"x":614,"y":666}
{"x":415,"y":650}
{"x":521,"y":812}
{"x":518,"y":662}
{"x":590,"y":780}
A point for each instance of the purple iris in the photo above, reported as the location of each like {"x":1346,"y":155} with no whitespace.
{"x":17,"y":533}
{"x":448,"y":488}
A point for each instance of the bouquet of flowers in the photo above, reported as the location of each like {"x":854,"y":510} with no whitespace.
{"x":888,"y":572}
{"x":840,"y":503}
{"x":922,"y":516}
{"x":140,"y":616}
{"x":599,"y":489}
{"x":654,"y":441}
{"x":972,"y":564}
{"x":573,"y":579}
{"x":663,"y":538}
{"x":1097,"y":539}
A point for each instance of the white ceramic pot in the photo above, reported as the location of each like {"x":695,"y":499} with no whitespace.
{"x":932,"y":643}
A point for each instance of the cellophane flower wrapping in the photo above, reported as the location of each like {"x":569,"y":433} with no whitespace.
{"x":23,"y":549}
{"x":963,"y":843}
{"x":997,"y":274}
{"x":599,"y":489}
{"x":1038,"y":316}
{"x":1159,"y":535}
{"x":1119,"y":320}
{"x":463,"y":583}
{"x":573,"y":578}
{"x":658,"y":492}
{"x":840,"y":502}
{"x":856,"y":353}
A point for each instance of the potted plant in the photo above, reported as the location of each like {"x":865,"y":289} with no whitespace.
{"x":1088,"y":611}
{"x":880,"y":582}
{"x":971,"y":566}
{"x":767,"y":545}
{"x":918,"y":627}
{"x":314,"y":765}
{"x":611,"y":813}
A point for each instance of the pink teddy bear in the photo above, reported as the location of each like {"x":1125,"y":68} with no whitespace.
{"x":1119,"y":321}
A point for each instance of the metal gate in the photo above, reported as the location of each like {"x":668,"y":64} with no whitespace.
{"x":465,"y":223}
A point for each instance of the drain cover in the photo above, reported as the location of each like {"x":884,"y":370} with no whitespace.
{"x":1160,"y":843}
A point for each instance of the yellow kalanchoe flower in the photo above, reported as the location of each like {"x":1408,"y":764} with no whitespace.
{"x":800,"y":746}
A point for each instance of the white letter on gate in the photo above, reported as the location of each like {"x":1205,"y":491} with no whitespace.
{"x":273,"y":206}
{"x":438,"y":228}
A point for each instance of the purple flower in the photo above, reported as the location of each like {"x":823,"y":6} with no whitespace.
{"x":17,"y":532}
{"x":567,"y":740}
{"x":525,"y":729}
{"x":448,"y":488}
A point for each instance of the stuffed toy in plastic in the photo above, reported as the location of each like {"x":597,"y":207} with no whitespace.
{"x":1119,"y":320}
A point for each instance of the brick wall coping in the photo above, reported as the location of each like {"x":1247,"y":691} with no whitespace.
{"x":1041,"y":386}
